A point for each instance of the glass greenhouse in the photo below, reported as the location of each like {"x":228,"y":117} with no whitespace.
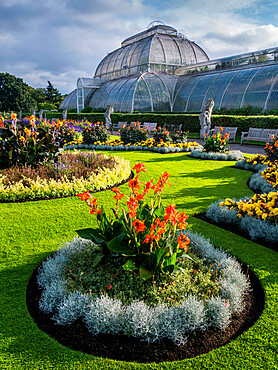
{"x":161,"y":70}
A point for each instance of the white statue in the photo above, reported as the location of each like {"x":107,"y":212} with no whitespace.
{"x":205,"y":119}
{"x":109,"y":110}
{"x":65,"y":111}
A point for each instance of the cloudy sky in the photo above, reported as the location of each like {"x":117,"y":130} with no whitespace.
{"x":61,"y":40}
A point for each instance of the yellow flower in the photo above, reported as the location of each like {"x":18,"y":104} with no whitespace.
{"x":264,"y":216}
{"x":27,"y":131}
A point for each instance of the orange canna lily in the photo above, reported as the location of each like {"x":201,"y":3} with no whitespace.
{"x":139,"y":225}
{"x":139,"y":167}
{"x":84,"y":196}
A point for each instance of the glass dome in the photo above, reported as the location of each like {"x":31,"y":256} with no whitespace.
{"x":255,"y":86}
{"x":144,"y":92}
{"x":158,"y":49}
{"x":70,"y":101}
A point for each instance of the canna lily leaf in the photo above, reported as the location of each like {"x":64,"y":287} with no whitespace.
{"x":145,"y":274}
{"x":97,"y":259}
{"x":129,"y":265}
{"x":90,"y":234}
{"x":117,"y":245}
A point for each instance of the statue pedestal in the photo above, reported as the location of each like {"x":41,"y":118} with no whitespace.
{"x":202,"y":133}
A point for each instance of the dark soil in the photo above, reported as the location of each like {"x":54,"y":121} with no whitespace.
{"x":124,"y":348}
{"x":68,"y":196}
{"x":236,"y":230}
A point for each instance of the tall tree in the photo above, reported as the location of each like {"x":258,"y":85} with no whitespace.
{"x":53,"y":95}
{"x":15,"y":94}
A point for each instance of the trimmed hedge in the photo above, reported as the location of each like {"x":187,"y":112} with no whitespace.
{"x":190,"y":122}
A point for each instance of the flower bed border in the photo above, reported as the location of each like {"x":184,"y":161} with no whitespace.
{"x":77,"y":337}
{"x":104,"y":179}
{"x":162,"y":150}
{"x":256,"y":229}
{"x":233,"y":155}
{"x":216,"y":312}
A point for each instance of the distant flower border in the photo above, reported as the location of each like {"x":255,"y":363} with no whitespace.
{"x":49,"y":189}
{"x":157,"y":149}
{"x":233,"y":155}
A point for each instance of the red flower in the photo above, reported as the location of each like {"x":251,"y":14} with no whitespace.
{"x":139,"y":225}
{"x":118,"y":195}
{"x":109,"y":286}
{"x":84,"y":196}
{"x":134,"y":184}
{"x":139,"y":167}
{"x":183,"y":241}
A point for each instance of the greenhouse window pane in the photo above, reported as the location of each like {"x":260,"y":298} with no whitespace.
{"x":257,"y":92}
{"x":142,"y":100}
{"x":184,"y":92}
{"x":236,"y":89}
{"x":219,"y":86}
{"x":195,"y":101}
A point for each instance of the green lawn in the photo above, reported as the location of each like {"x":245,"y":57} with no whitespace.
{"x":31,"y":231}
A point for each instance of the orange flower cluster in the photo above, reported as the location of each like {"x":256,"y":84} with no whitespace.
{"x":91,"y":201}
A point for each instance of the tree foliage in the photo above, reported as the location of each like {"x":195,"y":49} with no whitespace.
{"x":53,"y":95}
{"x":15,"y":94}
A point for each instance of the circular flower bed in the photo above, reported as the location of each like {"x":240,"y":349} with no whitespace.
{"x":71,"y":174}
{"x":163,"y":312}
{"x":140,"y":274}
{"x":233,"y":155}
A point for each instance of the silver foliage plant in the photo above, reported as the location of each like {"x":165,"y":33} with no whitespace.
{"x":230,"y":156}
{"x":257,"y":183}
{"x":109,"y":316}
{"x":257,"y":229}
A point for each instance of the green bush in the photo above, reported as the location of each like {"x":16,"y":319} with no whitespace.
{"x":25,"y":144}
{"x":161,"y":134}
{"x":133,"y":134}
{"x":94,"y":133}
{"x":271,"y":149}
{"x":179,"y":137}
{"x":216,"y":143}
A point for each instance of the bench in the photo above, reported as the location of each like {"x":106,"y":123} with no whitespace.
{"x":173,"y":128}
{"x":226,"y":130}
{"x":258,"y":134}
{"x":117,"y":126}
{"x":150,"y":127}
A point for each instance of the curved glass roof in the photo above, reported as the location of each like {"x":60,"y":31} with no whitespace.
{"x":158,"y":49}
{"x":256,"y":86}
{"x":70,"y":101}
{"x":144,"y":92}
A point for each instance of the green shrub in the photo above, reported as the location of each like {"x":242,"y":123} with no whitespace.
{"x":133,"y":134}
{"x":271,"y":150}
{"x":94,"y":133}
{"x":26,"y":144}
{"x":161,"y":135}
{"x":179,"y":137}
{"x":216,"y":143}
